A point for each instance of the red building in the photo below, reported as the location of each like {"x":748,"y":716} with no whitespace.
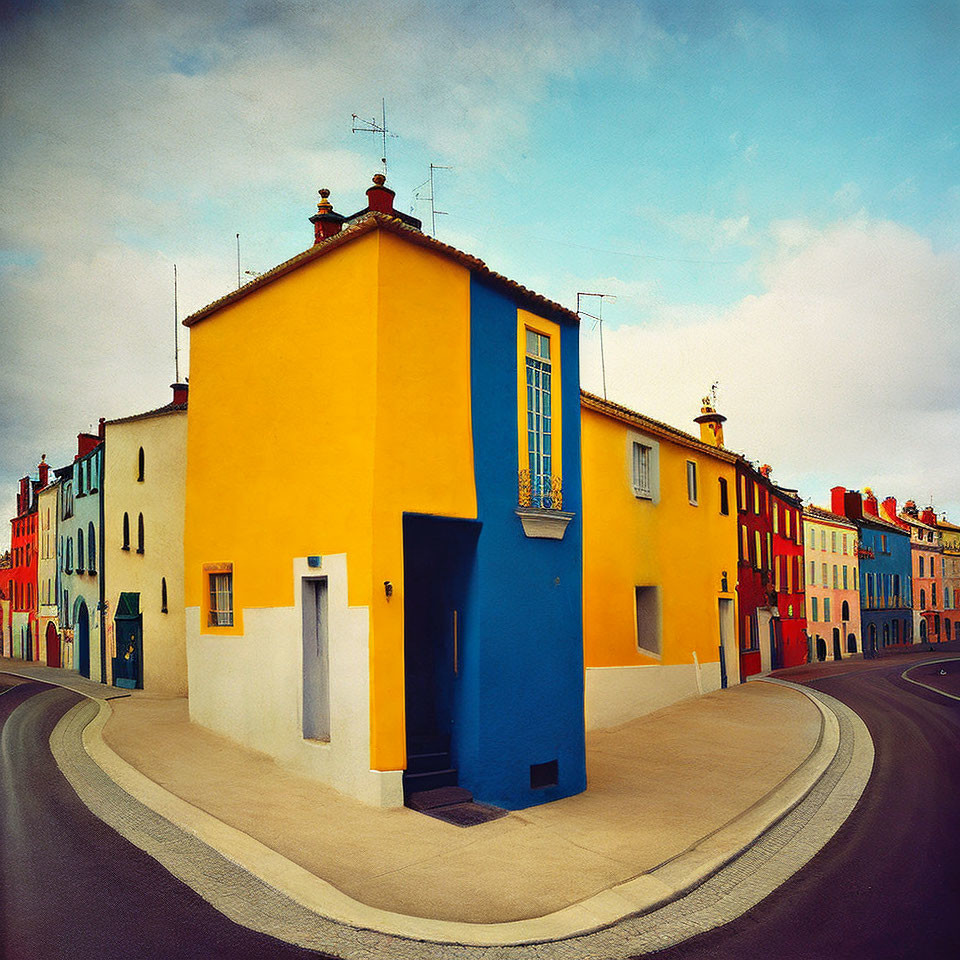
{"x":22,"y":575}
{"x":773,"y":624}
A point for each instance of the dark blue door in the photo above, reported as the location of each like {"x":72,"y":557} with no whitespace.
{"x":83,"y":640}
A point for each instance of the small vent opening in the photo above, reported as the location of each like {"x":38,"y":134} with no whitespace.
{"x":543,"y":775}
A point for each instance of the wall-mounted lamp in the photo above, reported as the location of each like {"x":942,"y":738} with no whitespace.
{"x":388,"y":588}
{"x":723,"y":582}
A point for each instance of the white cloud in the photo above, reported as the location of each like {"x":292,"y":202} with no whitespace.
{"x":843,"y":370}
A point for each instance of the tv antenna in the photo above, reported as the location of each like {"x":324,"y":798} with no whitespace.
{"x":598,"y":317}
{"x":434,"y":212}
{"x":176,"y":329}
{"x":373,"y":126}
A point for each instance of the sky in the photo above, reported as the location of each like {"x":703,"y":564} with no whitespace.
{"x":768,"y":193}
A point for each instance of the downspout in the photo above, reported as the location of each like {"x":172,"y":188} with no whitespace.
{"x":101,"y":577}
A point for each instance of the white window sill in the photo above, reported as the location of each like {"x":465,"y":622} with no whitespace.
{"x":543,"y":524}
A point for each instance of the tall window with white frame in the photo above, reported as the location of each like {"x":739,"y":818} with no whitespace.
{"x":692,"y":481}
{"x":539,"y":419}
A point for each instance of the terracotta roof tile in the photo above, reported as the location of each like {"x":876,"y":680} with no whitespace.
{"x":158,"y":412}
{"x":818,"y":513}
{"x":626,"y":415}
{"x":374,"y":220}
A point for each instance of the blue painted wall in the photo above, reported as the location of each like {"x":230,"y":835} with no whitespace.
{"x":74,"y":586}
{"x":884,"y":567}
{"x":520,"y":696}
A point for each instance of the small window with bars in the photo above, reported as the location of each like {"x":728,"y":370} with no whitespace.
{"x":221,"y":599}
{"x":641,"y":470}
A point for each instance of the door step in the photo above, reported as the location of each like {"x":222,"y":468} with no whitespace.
{"x":438,"y":797}
{"x":428,"y":780}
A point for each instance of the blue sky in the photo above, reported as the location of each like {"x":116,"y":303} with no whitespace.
{"x":770,"y":189}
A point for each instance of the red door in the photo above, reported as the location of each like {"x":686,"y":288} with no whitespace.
{"x":53,"y":646}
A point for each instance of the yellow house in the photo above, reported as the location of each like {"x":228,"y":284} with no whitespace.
{"x":659,"y":562}
{"x":382,"y":519}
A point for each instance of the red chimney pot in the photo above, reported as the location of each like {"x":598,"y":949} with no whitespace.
{"x":379,"y":196}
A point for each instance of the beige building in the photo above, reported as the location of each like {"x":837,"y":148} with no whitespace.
{"x":50,"y":646}
{"x":144,"y":476}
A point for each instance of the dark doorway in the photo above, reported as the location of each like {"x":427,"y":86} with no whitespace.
{"x":83,"y":640}
{"x":776,"y":644}
{"x":851,"y":643}
{"x":837,"y":651}
{"x":128,"y":663}
{"x":29,"y":651}
{"x":438,"y":558}
{"x":53,"y":646}
{"x":821,"y":649}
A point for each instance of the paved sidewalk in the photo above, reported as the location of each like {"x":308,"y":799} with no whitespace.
{"x":657,"y":786}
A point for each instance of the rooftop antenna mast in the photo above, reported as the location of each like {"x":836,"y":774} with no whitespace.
{"x":598,"y":317}
{"x":434,"y":212}
{"x":373,"y":126}
{"x":238,"y":262}
{"x":176,"y":327}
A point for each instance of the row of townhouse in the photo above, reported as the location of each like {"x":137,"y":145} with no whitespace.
{"x":95,"y":582}
{"x":392,"y":543}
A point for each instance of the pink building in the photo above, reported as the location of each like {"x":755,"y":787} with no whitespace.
{"x":833,"y":596}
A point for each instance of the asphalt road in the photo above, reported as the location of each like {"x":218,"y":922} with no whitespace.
{"x":888,"y":884}
{"x":70,"y":887}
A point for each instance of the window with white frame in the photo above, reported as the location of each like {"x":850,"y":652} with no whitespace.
{"x":539,"y":417}
{"x":692,"y":481}
{"x":642,"y":467}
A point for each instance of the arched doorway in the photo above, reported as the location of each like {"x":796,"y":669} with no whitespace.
{"x":53,"y":646}
{"x":851,"y":643}
{"x":923,"y":629}
{"x":83,"y":640}
{"x":821,"y":648}
{"x":837,"y":652}
{"x":845,"y":611}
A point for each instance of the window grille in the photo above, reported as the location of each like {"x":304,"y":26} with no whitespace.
{"x":641,"y":470}
{"x":221,"y":600}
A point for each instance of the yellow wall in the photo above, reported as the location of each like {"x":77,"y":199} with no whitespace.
{"x":322,"y":406}
{"x":629,"y":542}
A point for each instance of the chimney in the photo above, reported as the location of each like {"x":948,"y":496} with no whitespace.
{"x":43,"y":470}
{"x":326,"y":222}
{"x":929,"y":517}
{"x":380,"y":197}
{"x":23,"y":497}
{"x":86,"y":442}
{"x":836,"y":500}
{"x":711,"y":424}
{"x":890,"y":508}
{"x":765,"y":470}
{"x":853,"y":504}
{"x":179,"y":393}
{"x":910,"y":509}
{"x":870,"y":503}
{"x":102,"y":430}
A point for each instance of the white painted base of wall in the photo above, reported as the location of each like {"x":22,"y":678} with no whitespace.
{"x":250,"y":688}
{"x":614,"y":695}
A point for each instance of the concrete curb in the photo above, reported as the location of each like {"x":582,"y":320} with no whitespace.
{"x":637,"y":897}
{"x":926,"y":686}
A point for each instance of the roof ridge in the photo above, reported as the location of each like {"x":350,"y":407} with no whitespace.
{"x":375,"y":219}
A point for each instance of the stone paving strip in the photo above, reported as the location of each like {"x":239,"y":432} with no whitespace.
{"x":709,"y":884}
